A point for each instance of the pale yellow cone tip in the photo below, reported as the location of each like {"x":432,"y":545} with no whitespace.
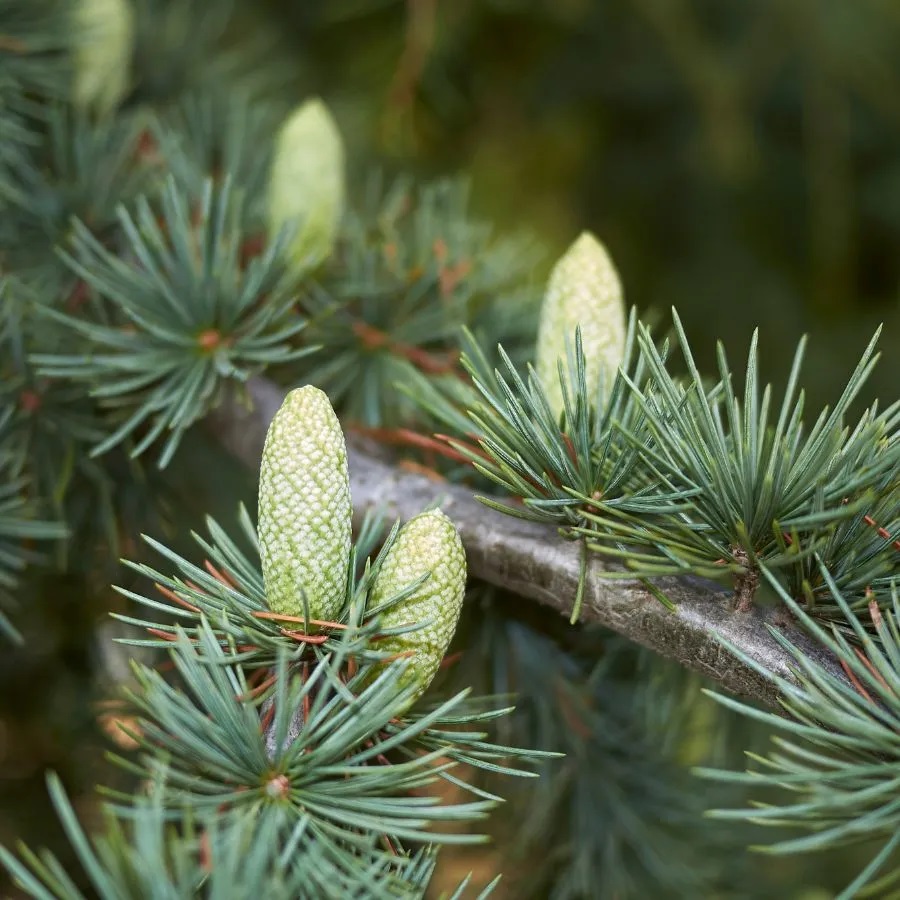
{"x":587,"y":262}
{"x":311,"y":116}
{"x":584,"y":290}
{"x":587,"y":242}
{"x":305,"y":394}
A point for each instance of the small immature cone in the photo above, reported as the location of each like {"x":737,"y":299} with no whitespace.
{"x":306,"y":184}
{"x":103,"y":40}
{"x":304,"y":508}
{"x":584,"y":289}
{"x":428,"y":543}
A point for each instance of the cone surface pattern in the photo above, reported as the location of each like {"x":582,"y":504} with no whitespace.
{"x":584,"y":289}
{"x":304,"y":508}
{"x":427,"y":543}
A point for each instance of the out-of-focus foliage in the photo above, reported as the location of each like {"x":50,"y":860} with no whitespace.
{"x":837,"y":749}
{"x":740,"y":160}
{"x":620,"y":815}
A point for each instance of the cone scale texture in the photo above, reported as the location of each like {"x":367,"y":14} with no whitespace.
{"x":427,"y":544}
{"x":584,"y":290}
{"x":304,"y":508}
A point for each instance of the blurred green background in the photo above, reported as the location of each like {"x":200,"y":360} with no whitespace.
{"x":741,"y":160}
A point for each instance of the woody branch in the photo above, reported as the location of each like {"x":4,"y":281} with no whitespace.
{"x":531,"y":560}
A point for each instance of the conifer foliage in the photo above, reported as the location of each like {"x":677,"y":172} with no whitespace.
{"x":177,"y":220}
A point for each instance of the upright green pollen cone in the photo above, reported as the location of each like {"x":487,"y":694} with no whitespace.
{"x":584,"y":289}
{"x":306,"y":184}
{"x":103,"y":38}
{"x":304,"y":508}
{"x":427,"y":544}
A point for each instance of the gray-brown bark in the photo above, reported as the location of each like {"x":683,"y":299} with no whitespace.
{"x":530,"y":559}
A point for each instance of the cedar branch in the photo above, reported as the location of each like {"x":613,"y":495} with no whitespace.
{"x":533,"y":561}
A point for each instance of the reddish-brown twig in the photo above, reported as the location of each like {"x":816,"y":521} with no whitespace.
{"x":303,"y":638}
{"x":279,"y":617}
{"x":432,"y":364}
{"x":220,"y":575}
{"x":855,"y":681}
{"x":171,"y":595}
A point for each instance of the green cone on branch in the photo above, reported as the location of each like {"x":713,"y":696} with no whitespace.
{"x":306,"y":184}
{"x":584,"y":290}
{"x":428,"y":544}
{"x":304,"y":508}
{"x":103,"y":40}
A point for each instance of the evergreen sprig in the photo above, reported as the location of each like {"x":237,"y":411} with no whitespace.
{"x":676,"y":476}
{"x":175,"y":318}
{"x":226,"y":598}
{"x":557,"y":470}
{"x":220,"y":134}
{"x":205,"y":736}
{"x":51,"y":424}
{"x":756,"y":493}
{"x":621,"y":811}
{"x":18,"y":529}
{"x":308,"y":738}
{"x":34,"y":64}
{"x":214,"y":856}
{"x":412,"y":266}
{"x":81,"y":168}
{"x":837,"y":751}
{"x":325,"y":762}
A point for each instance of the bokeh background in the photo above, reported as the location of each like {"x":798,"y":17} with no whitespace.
{"x":740,"y":160}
